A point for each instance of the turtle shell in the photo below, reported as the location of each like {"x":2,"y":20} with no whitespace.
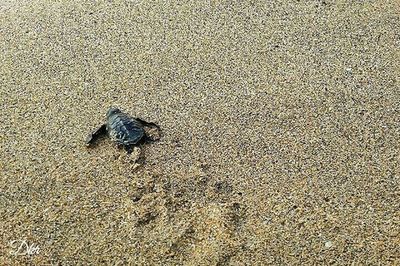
{"x":124,"y":129}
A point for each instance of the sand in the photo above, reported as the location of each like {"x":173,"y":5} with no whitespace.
{"x":281,"y":132}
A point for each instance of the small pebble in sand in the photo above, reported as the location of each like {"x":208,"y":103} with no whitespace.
{"x":328,"y":244}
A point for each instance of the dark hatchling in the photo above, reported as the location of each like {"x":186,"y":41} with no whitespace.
{"x":123,"y":129}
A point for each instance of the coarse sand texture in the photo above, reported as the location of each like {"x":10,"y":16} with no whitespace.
{"x":280,"y":132}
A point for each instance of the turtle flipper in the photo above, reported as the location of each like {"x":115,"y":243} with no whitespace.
{"x":150,"y":137}
{"x":148,"y":124}
{"x":92,"y":137}
{"x":128,"y":148}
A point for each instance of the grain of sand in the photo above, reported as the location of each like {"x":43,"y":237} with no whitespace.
{"x":281,"y":132}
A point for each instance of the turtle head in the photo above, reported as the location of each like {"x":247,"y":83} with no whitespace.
{"x":112,"y":111}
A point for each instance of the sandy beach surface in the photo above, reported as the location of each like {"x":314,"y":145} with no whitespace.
{"x":281,"y":132}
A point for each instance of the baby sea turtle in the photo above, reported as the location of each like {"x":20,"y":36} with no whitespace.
{"x":123,"y":129}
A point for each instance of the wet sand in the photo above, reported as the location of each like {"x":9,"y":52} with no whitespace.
{"x":281,"y":132}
